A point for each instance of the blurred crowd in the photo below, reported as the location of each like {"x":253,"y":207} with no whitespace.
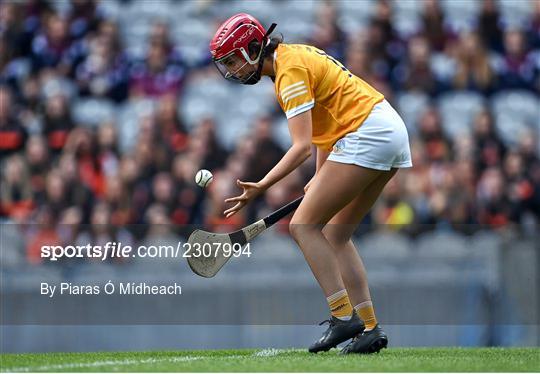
{"x":56,"y":171}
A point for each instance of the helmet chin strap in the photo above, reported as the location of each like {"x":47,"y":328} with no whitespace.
{"x":256,"y":76}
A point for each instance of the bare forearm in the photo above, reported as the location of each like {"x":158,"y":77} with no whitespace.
{"x":294,"y":157}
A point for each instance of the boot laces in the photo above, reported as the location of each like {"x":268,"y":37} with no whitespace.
{"x":329,"y":321}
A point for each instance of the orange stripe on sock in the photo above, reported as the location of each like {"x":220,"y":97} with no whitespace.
{"x":367,"y":314}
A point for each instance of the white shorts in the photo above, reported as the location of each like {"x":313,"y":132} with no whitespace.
{"x":381,"y":143}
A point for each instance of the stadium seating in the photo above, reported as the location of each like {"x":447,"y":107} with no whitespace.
{"x":516,"y":112}
{"x":411,"y":105}
{"x":458,"y":110}
{"x":93,"y":112}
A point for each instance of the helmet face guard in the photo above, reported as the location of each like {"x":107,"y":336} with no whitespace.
{"x":238,"y":67}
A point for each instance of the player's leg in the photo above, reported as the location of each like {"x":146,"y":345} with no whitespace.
{"x":359,"y":160}
{"x":338,"y":232}
{"x":335,"y":186}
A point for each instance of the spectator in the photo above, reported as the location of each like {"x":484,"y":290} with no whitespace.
{"x":528,"y":149}
{"x":18,"y":27}
{"x":516,"y":69}
{"x":16,"y":197}
{"x":520,"y":190}
{"x":160,"y":34}
{"x":436,"y":145}
{"x":134,"y":183}
{"x":489,"y":25}
{"x":155,"y":76}
{"x":392,"y":210}
{"x":119,"y":200}
{"x":328,"y":34}
{"x":489,"y":149}
{"x":38,"y":161}
{"x":433,"y":26}
{"x":531,"y":162}
{"x":12,"y":44}
{"x":534,"y":28}
{"x":82,"y":146}
{"x":158,"y":158}
{"x":163,"y":191}
{"x":30,"y":99}
{"x":5,"y":57}
{"x":128,"y":172}
{"x":51,"y":46}
{"x":203,"y":143}
{"x":414,"y":73}
{"x":465,"y":175}
{"x":358,"y":61}
{"x":77,"y":193}
{"x":107,"y":152}
{"x":104,"y":71}
{"x":30,"y":104}
{"x":83,"y":19}
{"x":383,"y":41}
{"x":268,"y":151}
{"x":35,"y":14}
{"x":189,"y":197}
{"x":473,"y":67}
{"x":172,"y":131}
{"x":57,"y":122}
{"x":493,"y":206}
{"x":54,"y":195}
{"x":12,"y":134}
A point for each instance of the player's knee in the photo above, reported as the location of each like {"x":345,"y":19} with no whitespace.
{"x":299,"y":231}
{"x":336,"y":237}
{"x":337,"y":242}
{"x":295,"y":230}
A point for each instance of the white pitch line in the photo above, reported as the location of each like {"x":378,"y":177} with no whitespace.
{"x":78,"y":365}
{"x":270,"y":352}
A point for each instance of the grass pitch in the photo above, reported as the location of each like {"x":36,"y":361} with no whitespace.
{"x":276,"y":360}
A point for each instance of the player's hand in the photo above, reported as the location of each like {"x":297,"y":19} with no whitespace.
{"x":251,"y":190}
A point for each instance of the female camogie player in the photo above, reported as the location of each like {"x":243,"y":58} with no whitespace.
{"x":361,"y":142}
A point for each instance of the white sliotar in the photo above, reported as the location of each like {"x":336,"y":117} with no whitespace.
{"x":203,"y":178}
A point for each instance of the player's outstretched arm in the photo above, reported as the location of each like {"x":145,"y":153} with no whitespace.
{"x":300,"y":130}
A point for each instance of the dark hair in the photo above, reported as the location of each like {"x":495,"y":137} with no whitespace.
{"x":254,"y":46}
{"x":274,"y":42}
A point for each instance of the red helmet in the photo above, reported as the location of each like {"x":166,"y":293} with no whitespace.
{"x":230,"y":48}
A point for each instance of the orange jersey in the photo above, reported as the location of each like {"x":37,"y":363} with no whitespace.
{"x":307,"y":78}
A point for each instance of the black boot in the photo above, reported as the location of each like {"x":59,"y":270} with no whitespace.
{"x":371,"y":341}
{"x":338,"y":332}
